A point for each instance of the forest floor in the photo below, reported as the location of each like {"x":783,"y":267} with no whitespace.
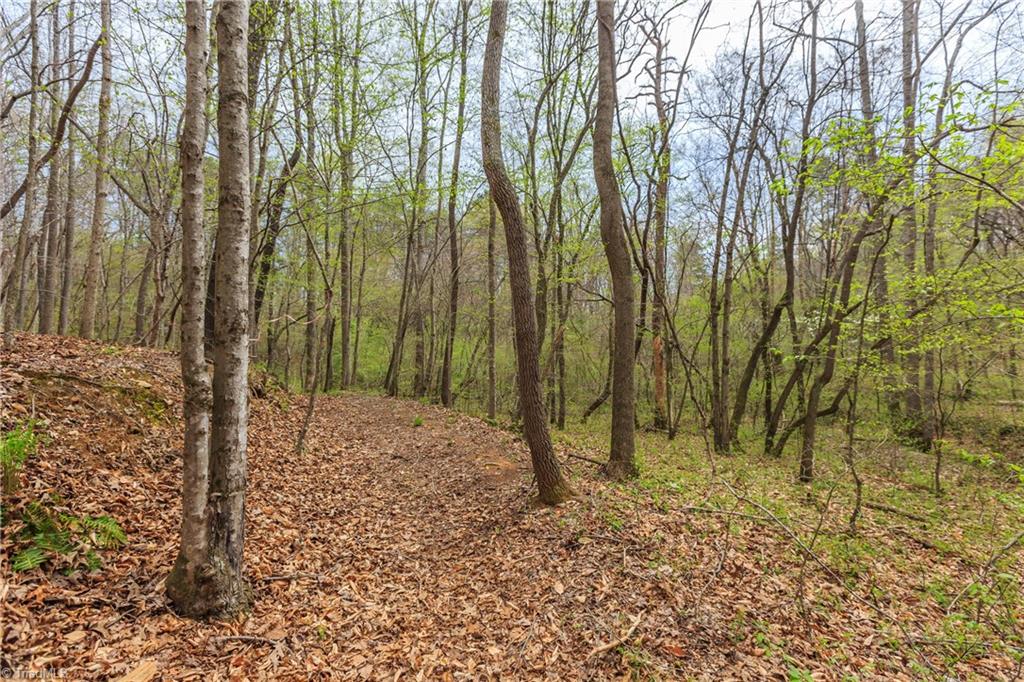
{"x":401,"y":544}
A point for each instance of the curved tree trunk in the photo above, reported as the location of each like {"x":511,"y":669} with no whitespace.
{"x":621,"y":462}
{"x":553,"y":487}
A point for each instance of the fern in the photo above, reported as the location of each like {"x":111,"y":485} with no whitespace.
{"x":37,"y":519}
{"x":49,"y":536}
{"x":92,"y":560}
{"x":104,"y":531}
{"x":65,"y":538}
{"x":16,"y":447}
{"x":28,"y":559}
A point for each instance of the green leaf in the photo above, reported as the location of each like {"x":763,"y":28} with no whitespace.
{"x":27,"y":559}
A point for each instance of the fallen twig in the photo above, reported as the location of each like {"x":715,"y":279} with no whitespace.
{"x":290,"y":576}
{"x":988,"y":567}
{"x":597,"y":651}
{"x":725,"y":512}
{"x":924,"y":542}
{"x":247,"y":639}
{"x":894,"y":510}
{"x":75,"y":601}
{"x":584,"y":458}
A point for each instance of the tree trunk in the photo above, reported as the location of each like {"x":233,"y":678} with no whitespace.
{"x":912,"y":360}
{"x":410,"y":310}
{"x":345,"y":249}
{"x":51,"y":214}
{"x":887,"y":352}
{"x":354,"y":374}
{"x":345,"y":273}
{"x":419,"y":261}
{"x":453,"y":233}
{"x":663,"y":168}
{"x":263,"y":261}
{"x":321,"y":346}
{"x":563,"y":297}
{"x":492,"y":402}
{"x":186,"y":586}
{"x":395,"y":361}
{"x":92,"y":268}
{"x":67,"y":252}
{"x":140,"y":299}
{"x":621,"y":462}
{"x":930,"y":423}
{"x":553,"y":488}
{"x":311,"y":353}
{"x":14,"y":309}
{"x":159,"y":237}
{"x":228,"y":432}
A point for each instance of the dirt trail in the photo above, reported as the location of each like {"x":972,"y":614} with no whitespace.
{"x":400,"y":544}
{"x":407,"y":534}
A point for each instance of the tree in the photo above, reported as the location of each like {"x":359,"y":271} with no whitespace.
{"x":663,"y":170}
{"x":228,"y":427}
{"x":453,"y":233}
{"x":68,"y":234}
{"x":553,"y":488}
{"x":49,"y":239}
{"x":908,"y":79}
{"x":492,"y":407}
{"x":414,"y":270}
{"x":348,"y":121}
{"x":208,"y":579}
{"x":620,"y":463}
{"x":666,"y":96}
{"x":185,"y":585}
{"x":92,"y":268}
{"x":14,"y":310}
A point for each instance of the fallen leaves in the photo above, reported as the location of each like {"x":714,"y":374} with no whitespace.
{"x":75,"y":637}
{"x":144,"y":672}
{"x":390,"y":551}
{"x":598,"y":650}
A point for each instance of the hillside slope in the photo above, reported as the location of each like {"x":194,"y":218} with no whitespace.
{"x":401,"y":544}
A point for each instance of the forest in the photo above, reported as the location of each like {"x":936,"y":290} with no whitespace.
{"x":467,"y":339}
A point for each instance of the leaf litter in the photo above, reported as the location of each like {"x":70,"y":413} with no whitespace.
{"x":391,"y":550}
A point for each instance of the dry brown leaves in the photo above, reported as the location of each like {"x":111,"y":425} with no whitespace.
{"x":393,"y":551}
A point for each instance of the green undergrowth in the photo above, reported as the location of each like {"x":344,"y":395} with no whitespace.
{"x":16,"y":446}
{"x":61,"y":540}
{"x":45,"y":532}
{"x":150,"y":405}
{"x":956,"y":548}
